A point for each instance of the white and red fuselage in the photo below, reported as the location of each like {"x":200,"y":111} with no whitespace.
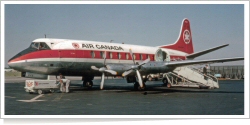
{"x":75,"y":57}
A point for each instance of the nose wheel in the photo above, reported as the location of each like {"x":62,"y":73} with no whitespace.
{"x":88,"y":84}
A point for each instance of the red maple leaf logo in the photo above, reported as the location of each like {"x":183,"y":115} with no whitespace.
{"x":29,"y":84}
{"x":75,"y":45}
{"x":36,"y":83}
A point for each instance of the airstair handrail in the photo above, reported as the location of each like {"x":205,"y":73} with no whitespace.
{"x":208,"y":76}
{"x":183,"y":78}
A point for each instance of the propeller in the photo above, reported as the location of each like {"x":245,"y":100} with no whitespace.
{"x":103,"y":70}
{"x":136,"y":68}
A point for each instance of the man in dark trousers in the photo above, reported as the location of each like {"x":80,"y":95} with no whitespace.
{"x":205,"y":72}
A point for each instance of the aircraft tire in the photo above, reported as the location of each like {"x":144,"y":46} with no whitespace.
{"x":144,"y":87}
{"x":88,"y":84}
{"x":40,"y":92}
{"x":165,"y":82}
{"x":52,"y":90}
{"x":136,"y":86}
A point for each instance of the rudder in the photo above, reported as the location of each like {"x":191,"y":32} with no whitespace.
{"x":184,"y":42}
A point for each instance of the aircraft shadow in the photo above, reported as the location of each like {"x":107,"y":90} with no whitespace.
{"x":151,"y":90}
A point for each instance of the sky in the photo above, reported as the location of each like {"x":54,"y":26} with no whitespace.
{"x":149,"y":25}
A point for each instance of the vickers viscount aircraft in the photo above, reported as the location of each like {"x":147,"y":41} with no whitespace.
{"x":90,"y":58}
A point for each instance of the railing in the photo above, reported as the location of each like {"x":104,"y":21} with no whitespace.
{"x":175,"y":80}
{"x":214,"y":79}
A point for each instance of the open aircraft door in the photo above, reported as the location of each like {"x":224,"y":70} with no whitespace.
{"x":67,"y":55}
{"x":166,"y":55}
{"x":162,"y":55}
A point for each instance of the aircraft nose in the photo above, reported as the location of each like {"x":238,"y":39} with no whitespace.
{"x":10,"y":63}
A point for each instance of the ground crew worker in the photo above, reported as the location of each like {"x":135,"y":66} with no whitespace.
{"x":64,"y":83}
{"x":62,"y":87}
{"x":205,"y":72}
{"x":67,"y":85}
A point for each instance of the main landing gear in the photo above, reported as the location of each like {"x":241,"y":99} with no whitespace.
{"x":137,"y":86}
{"x":132,"y":79}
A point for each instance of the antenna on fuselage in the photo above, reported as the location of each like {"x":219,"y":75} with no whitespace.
{"x":111,"y":41}
{"x":44,"y":35}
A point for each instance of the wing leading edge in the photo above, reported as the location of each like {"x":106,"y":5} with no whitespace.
{"x":191,"y":62}
{"x":194,"y":55}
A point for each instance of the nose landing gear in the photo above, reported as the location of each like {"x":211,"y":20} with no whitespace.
{"x":87,"y":81}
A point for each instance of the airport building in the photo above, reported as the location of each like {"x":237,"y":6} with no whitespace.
{"x":228,"y":72}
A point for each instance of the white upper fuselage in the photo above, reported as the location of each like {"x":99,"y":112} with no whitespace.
{"x":66,"y":44}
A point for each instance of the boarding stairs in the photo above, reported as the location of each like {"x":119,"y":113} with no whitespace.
{"x":190,"y":77}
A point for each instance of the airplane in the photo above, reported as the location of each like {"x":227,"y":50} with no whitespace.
{"x":51,"y":56}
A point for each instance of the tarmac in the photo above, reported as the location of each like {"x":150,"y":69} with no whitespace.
{"x":119,"y":98}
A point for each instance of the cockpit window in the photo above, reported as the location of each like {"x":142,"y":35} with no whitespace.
{"x":34,"y":45}
{"x":39,"y":46}
{"x":43,"y":46}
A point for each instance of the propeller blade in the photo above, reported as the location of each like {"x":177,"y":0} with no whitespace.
{"x":94,"y":68}
{"x":132,"y":55}
{"x":111,"y":71}
{"x":144,"y":62}
{"x":102,"y":82}
{"x":104,"y":58}
{"x":139,"y":78}
{"x":127,"y":72}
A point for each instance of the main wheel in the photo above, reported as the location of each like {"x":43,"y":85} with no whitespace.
{"x":52,"y":90}
{"x":165,"y":81}
{"x":40,"y":91}
{"x":136,"y":85}
{"x":143,"y":88}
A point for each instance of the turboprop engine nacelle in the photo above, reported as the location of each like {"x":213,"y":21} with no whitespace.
{"x":119,"y":68}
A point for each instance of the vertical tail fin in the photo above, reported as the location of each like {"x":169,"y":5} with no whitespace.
{"x":184,"y":42}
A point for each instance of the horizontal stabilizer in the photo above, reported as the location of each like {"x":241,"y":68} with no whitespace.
{"x":192,"y":62}
{"x":194,"y":55}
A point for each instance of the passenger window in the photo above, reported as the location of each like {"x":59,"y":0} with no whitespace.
{"x":102,"y":54}
{"x":110,"y":55}
{"x":92,"y":54}
{"x":127,"y":57}
{"x":119,"y":55}
{"x":141,"y":58}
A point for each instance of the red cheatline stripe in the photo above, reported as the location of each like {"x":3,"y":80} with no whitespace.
{"x":82,"y":54}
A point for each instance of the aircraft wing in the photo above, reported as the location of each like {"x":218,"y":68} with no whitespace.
{"x":192,"y":62}
{"x":194,"y":55}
